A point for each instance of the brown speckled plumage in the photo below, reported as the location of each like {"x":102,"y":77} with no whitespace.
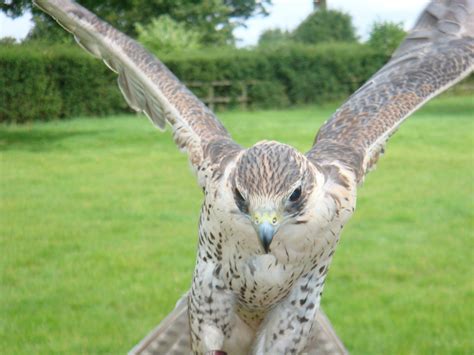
{"x":272,"y":217}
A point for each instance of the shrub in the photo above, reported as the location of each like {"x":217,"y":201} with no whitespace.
{"x":273,"y":37}
{"x":54,"y":82}
{"x":8,"y":41}
{"x":27,"y":91}
{"x":58,"y":82}
{"x":386,"y":36}
{"x":164,"y":35}
{"x":325,"y":26}
{"x":268,"y":94}
{"x":325,"y":72}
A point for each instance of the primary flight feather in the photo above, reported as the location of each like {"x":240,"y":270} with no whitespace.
{"x":272,"y":216}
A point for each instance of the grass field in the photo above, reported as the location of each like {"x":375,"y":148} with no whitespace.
{"x":99,"y":220}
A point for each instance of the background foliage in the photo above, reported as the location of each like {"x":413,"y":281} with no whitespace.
{"x":164,"y":35}
{"x":386,"y":36}
{"x":60,"y":81}
{"x":54,"y":82}
{"x":273,"y":37}
{"x":325,"y":26}
{"x":214,"y":19}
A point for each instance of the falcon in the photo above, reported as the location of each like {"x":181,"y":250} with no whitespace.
{"x":272,"y":216}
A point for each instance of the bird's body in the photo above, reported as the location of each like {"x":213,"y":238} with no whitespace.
{"x":272,"y":216}
{"x":233,"y":272}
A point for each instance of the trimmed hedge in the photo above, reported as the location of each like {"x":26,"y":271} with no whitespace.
{"x":59,"y":82}
{"x":54,"y":82}
{"x":303,"y":74}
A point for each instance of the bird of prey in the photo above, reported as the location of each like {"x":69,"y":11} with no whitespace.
{"x":272,"y":216}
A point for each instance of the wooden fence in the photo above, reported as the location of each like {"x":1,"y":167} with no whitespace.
{"x":211,"y":99}
{"x":223,"y":92}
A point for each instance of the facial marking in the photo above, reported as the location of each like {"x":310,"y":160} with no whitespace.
{"x":272,"y":182}
{"x":269,"y":169}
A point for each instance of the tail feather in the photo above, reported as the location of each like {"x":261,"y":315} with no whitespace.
{"x":325,"y":341}
{"x":171,"y":336}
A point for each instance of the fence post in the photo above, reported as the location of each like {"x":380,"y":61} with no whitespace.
{"x":210,"y":96}
{"x":244,"y":97}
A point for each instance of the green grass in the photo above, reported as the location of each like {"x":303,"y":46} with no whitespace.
{"x":99,"y":220}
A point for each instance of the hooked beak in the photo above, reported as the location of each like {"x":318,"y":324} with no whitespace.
{"x":266,"y":231}
{"x":266,"y":222}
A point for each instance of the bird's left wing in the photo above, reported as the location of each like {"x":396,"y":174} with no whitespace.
{"x":436,"y":54}
{"x":146,"y":83}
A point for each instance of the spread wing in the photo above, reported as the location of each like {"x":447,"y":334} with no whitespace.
{"x":146,"y":83}
{"x":437,"y":53}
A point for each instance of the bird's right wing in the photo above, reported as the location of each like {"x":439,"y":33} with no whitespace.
{"x":146,"y":83}
{"x":436,"y":54}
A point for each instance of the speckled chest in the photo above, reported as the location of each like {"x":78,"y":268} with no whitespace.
{"x":260,"y":281}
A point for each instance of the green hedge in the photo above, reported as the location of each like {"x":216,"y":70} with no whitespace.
{"x":54,"y":82}
{"x":295,"y":73}
{"x":58,"y":82}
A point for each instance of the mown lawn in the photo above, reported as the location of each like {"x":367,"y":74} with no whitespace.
{"x":98,"y":233}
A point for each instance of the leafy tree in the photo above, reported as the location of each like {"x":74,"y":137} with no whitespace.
{"x":8,"y":41}
{"x":47,"y":30}
{"x":214,"y":19}
{"x":14,"y":8}
{"x":325,"y":26}
{"x":164,"y":35}
{"x":273,"y":37}
{"x":386,"y":36}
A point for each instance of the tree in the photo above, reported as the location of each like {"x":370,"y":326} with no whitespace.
{"x":14,"y":8}
{"x":273,"y":37}
{"x":325,"y":26}
{"x":164,"y":35}
{"x":386,"y":36}
{"x":8,"y":41}
{"x":214,"y":19}
{"x":47,"y":30}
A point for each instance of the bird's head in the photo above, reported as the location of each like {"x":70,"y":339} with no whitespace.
{"x":272,"y":185}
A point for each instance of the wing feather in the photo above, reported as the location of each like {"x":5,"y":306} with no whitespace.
{"x":147,"y":85}
{"x":437,"y":53}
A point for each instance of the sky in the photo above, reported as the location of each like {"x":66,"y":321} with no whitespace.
{"x":287,"y":14}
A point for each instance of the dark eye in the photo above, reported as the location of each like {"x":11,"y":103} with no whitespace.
{"x":238,"y":195}
{"x":240,"y":201}
{"x":295,"y":195}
